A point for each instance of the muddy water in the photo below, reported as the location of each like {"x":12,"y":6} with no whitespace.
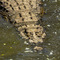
{"x":12,"y":46}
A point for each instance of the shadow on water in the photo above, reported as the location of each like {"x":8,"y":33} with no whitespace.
{"x":12,"y":46}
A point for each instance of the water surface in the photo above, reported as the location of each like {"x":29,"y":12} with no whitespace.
{"x":12,"y":46}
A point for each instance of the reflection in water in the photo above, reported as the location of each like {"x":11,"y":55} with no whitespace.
{"x":13,"y":48}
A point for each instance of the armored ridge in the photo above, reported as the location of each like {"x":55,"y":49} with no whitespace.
{"x":24,"y":16}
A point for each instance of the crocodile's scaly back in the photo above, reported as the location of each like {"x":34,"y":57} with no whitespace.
{"x":24,"y":16}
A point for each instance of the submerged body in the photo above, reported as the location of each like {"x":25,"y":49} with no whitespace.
{"x":23,"y":15}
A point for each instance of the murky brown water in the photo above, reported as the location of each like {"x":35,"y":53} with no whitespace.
{"x":12,"y":46}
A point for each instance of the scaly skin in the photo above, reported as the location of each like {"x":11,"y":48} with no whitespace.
{"x":23,"y":15}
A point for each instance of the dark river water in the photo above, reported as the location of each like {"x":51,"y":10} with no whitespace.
{"x":13,"y":47}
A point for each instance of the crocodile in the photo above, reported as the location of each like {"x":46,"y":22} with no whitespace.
{"x":24,"y":16}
